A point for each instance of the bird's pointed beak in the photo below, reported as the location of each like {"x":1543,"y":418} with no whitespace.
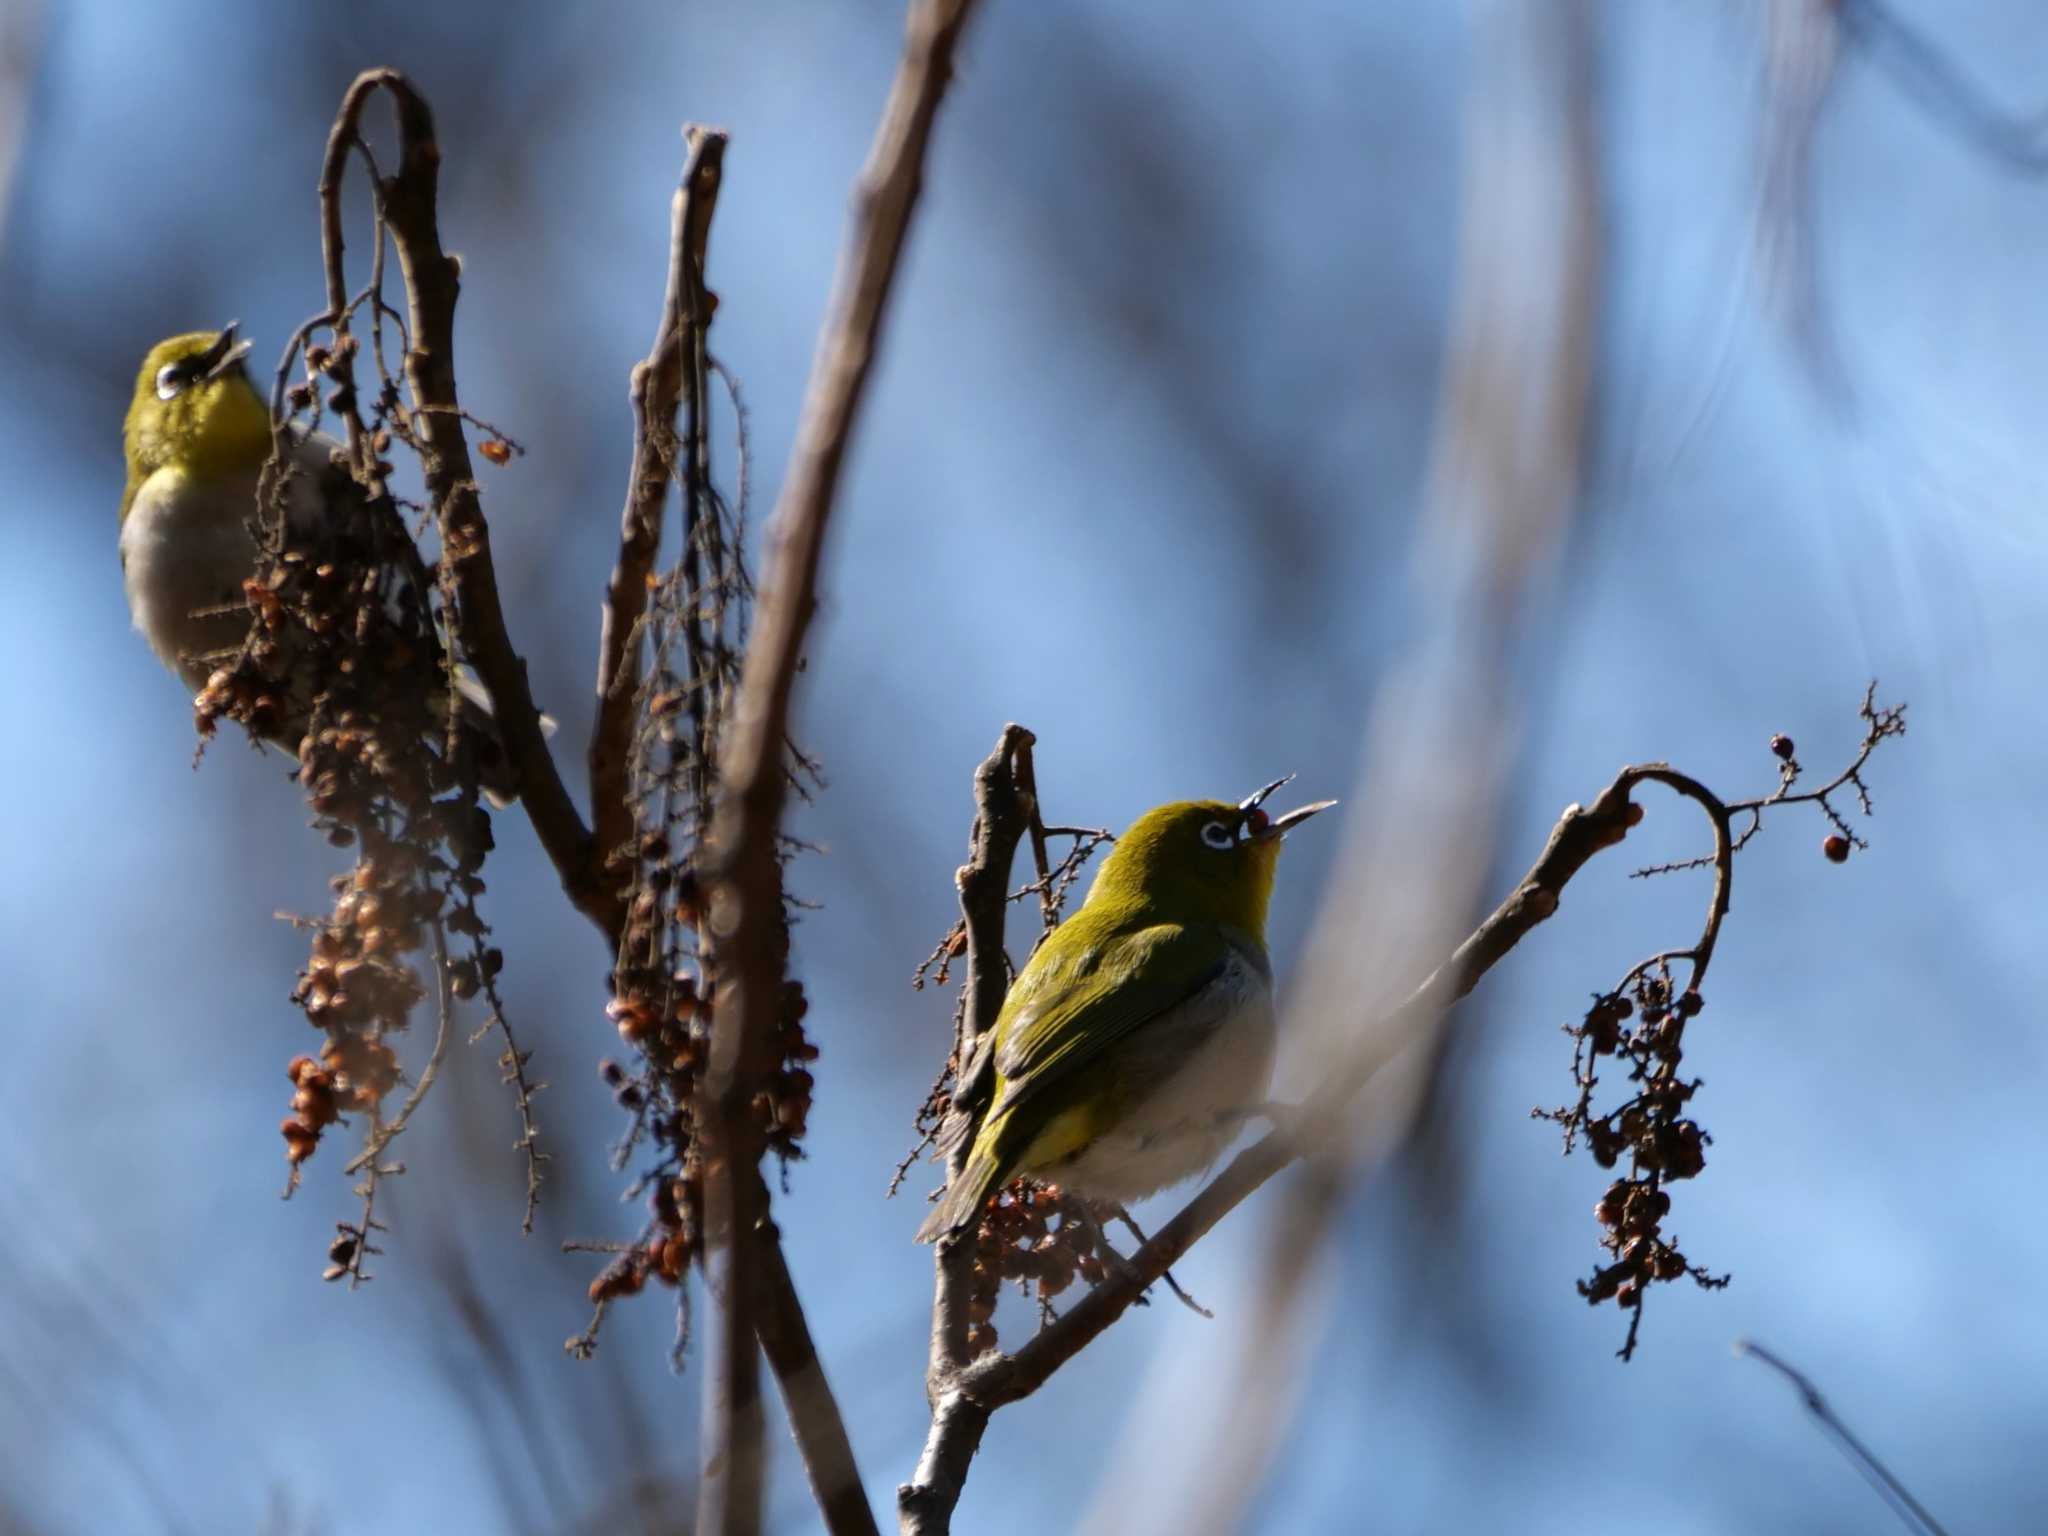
{"x":1266,"y":828}
{"x":224,"y":354}
{"x":1294,"y":818}
{"x":1258,"y":797}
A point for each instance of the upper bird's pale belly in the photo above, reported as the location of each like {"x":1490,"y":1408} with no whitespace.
{"x":185,"y":552}
{"x":186,"y":549}
{"x":1212,"y":1061}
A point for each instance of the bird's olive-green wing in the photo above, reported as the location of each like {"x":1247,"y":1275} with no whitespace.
{"x":1079,"y":998}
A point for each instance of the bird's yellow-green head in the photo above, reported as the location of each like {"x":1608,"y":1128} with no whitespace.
{"x":195,"y":410}
{"x":1200,"y":861}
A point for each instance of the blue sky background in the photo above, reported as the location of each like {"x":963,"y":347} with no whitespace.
{"x":1141,"y":468}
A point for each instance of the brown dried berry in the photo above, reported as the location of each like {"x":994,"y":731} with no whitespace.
{"x":496,"y":449}
{"x":1781,"y":745}
{"x":1836,"y":847}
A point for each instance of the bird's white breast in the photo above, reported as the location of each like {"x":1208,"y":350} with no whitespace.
{"x":186,"y":550}
{"x":1212,"y":1060}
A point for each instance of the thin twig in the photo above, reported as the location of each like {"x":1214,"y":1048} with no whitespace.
{"x":1912,"y":1514}
{"x":444,"y":1009}
{"x":512,"y":1073}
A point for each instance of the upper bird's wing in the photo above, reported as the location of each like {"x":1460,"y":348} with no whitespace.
{"x":1078,"y":999}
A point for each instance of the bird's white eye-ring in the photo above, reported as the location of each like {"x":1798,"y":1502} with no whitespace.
{"x":169,"y":380}
{"x":1218,"y":836}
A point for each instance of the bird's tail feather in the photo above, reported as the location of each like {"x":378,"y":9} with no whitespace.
{"x":961,"y":1204}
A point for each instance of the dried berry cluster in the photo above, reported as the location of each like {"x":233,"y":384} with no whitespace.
{"x":662,"y":989}
{"x":1641,"y":1026}
{"x":665,"y":1015}
{"x":671,"y":1243}
{"x":1038,"y":1236}
{"x":344,"y":663}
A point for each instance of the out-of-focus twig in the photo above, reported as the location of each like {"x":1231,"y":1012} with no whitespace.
{"x":1508,"y":466}
{"x":1912,"y":1514}
{"x":1916,"y":62}
{"x":744,"y":873}
{"x":20,"y":39}
{"x":1802,"y":52}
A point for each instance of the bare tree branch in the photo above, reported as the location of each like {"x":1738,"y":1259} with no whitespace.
{"x":744,"y":874}
{"x":1004,"y":810}
{"x":807,"y":1397}
{"x":407,"y":203}
{"x":671,"y":374}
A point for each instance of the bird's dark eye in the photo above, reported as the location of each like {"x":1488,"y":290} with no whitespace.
{"x":169,"y":380}
{"x":1218,"y":836}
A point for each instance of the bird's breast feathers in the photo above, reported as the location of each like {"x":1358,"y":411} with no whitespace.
{"x":1167,"y":1097}
{"x":186,"y":549}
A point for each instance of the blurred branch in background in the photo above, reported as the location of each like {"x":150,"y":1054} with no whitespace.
{"x":1912,"y":1514}
{"x":1802,"y":49}
{"x":1920,"y":68}
{"x":1510,"y":459}
{"x":21,"y":30}
{"x":1805,"y":45}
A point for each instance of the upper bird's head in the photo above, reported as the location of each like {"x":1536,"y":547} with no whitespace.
{"x":195,"y":409}
{"x":1201,"y":860}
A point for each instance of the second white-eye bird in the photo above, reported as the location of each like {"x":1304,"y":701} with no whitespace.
{"x":1139,"y":1036}
{"x":197,"y":437}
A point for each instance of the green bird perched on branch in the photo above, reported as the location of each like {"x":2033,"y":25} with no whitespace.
{"x":197,"y":438}
{"x":1140,"y":1034}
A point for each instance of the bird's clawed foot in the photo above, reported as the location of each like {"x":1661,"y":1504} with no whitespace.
{"x":1123,"y":1265}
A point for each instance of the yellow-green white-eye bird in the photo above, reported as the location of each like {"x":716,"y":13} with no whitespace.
{"x":197,"y":437}
{"x":1139,"y":1036}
